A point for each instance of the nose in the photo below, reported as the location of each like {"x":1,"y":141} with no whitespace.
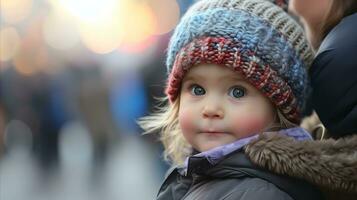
{"x":213,"y":109}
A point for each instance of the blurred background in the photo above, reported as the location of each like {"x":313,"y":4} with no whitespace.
{"x":75,"y":75}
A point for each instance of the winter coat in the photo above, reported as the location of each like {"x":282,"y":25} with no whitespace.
{"x":334,"y":79}
{"x":233,"y":178}
{"x":329,"y":164}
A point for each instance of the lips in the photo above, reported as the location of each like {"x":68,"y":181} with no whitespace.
{"x":213,"y":135}
{"x":214,"y":132}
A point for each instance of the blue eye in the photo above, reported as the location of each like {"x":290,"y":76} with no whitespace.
{"x":237,"y":92}
{"x":197,"y":90}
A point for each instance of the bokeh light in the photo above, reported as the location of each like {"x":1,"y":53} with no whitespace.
{"x":33,"y":55}
{"x":9,"y":45}
{"x":139,"y":47}
{"x":101,"y":38}
{"x":60,"y":32}
{"x":88,"y":11}
{"x":167,"y":13}
{"x":115,"y":24}
{"x":13,"y":11}
{"x":100,"y":32}
{"x":139,"y":26}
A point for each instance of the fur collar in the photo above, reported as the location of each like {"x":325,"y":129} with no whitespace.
{"x":329,"y":164}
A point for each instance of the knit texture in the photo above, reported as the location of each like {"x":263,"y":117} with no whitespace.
{"x":256,"y":38}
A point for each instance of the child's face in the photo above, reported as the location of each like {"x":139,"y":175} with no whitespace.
{"x":217,"y":107}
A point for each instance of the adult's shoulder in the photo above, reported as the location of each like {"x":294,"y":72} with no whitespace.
{"x":343,"y":35}
{"x":333,"y":78}
{"x":337,"y":48}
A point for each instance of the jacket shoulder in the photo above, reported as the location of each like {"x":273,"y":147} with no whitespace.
{"x":239,"y":165}
{"x":246,"y":188}
{"x":257,"y":189}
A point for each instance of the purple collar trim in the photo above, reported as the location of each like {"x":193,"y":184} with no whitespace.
{"x":216,"y":154}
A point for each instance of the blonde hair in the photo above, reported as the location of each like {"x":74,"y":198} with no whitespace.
{"x":165,"y":121}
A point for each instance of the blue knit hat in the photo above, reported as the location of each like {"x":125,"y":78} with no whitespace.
{"x":256,"y":38}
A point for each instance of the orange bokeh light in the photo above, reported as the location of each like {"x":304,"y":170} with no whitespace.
{"x":9,"y":45}
{"x":15,"y":11}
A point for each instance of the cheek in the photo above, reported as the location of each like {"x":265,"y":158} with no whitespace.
{"x":253,"y":123}
{"x":186,"y":119}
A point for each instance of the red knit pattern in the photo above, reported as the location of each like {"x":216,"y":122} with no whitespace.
{"x":229,"y":53}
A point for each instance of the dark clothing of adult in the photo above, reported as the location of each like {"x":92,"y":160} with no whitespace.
{"x":334,"y":79}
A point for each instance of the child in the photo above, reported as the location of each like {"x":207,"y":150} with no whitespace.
{"x":237,"y":69}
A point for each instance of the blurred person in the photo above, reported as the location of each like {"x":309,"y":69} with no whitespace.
{"x":154,"y":78}
{"x":331,"y":27}
{"x":2,"y":127}
{"x":311,"y":13}
{"x":49,"y":130}
{"x":93,"y":103}
{"x":128,"y":89}
{"x":19,"y":172}
{"x":2,"y":119}
{"x":27,"y":99}
{"x":319,"y":17}
{"x":236,"y":76}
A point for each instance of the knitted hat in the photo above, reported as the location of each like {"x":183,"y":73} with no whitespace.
{"x":255,"y":38}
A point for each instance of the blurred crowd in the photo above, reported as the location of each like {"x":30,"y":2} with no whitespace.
{"x":75,"y":76}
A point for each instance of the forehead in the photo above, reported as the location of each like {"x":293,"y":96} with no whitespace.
{"x":212,"y":71}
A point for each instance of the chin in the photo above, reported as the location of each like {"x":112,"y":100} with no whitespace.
{"x":210,"y":146}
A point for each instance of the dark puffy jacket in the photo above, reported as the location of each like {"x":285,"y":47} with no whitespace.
{"x":329,"y":164}
{"x":334,"y":79}
{"x":234,"y":178}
